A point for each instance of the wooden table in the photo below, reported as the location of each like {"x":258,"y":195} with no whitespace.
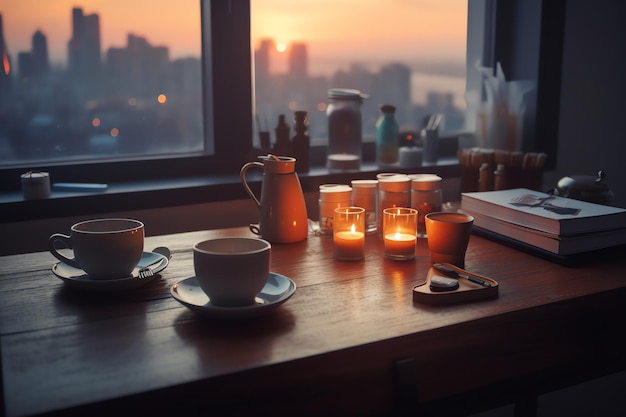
{"x":351,"y":341}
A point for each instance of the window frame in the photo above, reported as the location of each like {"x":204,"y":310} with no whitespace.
{"x":183,"y":180}
{"x":227,"y":109}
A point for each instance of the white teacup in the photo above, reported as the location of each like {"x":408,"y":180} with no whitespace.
{"x":103,"y":248}
{"x":232,"y":270}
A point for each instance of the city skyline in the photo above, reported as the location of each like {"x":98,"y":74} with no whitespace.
{"x":434,"y":33}
{"x":137,"y":94}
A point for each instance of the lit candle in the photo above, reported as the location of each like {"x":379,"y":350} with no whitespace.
{"x":349,"y":233}
{"x":349,"y":245}
{"x":400,"y":245}
{"x":400,"y":232}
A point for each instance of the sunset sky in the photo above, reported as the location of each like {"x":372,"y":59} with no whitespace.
{"x":351,"y":30}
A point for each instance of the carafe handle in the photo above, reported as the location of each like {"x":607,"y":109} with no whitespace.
{"x":242,"y":173}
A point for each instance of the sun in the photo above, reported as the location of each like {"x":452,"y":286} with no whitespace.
{"x":281,"y":47}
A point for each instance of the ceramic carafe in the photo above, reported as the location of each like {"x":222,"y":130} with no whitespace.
{"x":282,"y":210}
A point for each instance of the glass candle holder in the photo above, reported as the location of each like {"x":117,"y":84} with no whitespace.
{"x":349,"y":233}
{"x":400,"y":232}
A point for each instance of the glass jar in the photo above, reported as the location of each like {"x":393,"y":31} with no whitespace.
{"x":332,"y":196}
{"x":344,"y":129}
{"x":426,"y":197}
{"x":393,"y":191}
{"x":365,"y":194}
{"x":387,"y":131}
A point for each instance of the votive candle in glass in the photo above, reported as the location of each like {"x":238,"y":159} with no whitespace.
{"x":349,"y":233}
{"x":400,"y":232}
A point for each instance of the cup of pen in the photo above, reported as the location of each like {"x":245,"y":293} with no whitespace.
{"x":349,"y":233}
{"x":400,"y":232}
{"x":448,"y":236}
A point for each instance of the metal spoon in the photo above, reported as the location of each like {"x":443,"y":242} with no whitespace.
{"x":162,"y":250}
{"x":144,"y":269}
{"x":152,"y":258}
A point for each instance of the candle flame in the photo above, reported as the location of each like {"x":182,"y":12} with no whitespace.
{"x":397,"y":236}
{"x":352,"y":228}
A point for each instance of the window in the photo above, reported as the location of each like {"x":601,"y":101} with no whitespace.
{"x":232,"y":43}
{"x":97,"y":83}
{"x":408,"y":54}
{"x":141,"y":111}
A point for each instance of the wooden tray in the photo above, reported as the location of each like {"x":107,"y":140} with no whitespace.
{"x":467,"y":291}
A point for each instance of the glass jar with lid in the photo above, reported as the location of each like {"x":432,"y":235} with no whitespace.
{"x":344,"y":129}
{"x":365,"y":195}
{"x":426,"y":197}
{"x":332,"y":196}
{"x":393,"y":191}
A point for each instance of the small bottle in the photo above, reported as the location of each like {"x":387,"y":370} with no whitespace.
{"x":387,"y":130}
{"x":365,"y":195}
{"x":332,"y":196}
{"x":300,"y":143}
{"x":393,"y":191}
{"x":426,"y":197}
{"x":282,"y":147}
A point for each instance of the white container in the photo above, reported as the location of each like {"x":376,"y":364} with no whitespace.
{"x":393,"y":191}
{"x":365,"y":195}
{"x":35,"y":185}
{"x":332,"y":196}
{"x":426,"y":197}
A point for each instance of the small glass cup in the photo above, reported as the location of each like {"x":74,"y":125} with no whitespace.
{"x":400,"y":233}
{"x":349,"y":233}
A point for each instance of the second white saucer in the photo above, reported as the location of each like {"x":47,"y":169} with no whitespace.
{"x":276,"y":291}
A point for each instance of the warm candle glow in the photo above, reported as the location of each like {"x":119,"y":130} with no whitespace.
{"x":400,"y":232}
{"x":400,"y":245}
{"x":349,"y":245}
{"x":349,"y":233}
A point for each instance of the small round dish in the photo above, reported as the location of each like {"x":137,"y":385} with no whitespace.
{"x":77,"y":278}
{"x":276,"y":291}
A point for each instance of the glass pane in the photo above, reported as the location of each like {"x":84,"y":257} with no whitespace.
{"x":410,"y":54}
{"x":92,"y":79}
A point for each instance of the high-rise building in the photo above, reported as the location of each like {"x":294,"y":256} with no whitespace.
{"x":262,"y":58}
{"x":5,"y":71}
{"x":298,"y":60}
{"x":39,"y":51}
{"x":139,"y":68}
{"x":25,"y":66}
{"x":262,"y":66}
{"x":84,"y":46}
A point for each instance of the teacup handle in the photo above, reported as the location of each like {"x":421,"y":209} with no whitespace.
{"x":67,"y":241}
{"x":254,"y":228}
{"x":242,"y":173}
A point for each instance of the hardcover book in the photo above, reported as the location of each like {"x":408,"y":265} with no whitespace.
{"x":559,"y":245}
{"x":548,"y":213}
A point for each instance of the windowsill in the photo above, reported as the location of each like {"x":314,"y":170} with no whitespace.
{"x":186,"y":191}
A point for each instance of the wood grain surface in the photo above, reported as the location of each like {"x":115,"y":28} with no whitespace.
{"x":337,"y":347}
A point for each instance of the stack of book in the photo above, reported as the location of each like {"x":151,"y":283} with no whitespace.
{"x":557,"y":225}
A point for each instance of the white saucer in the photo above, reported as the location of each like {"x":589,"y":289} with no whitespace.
{"x":77,"y":278}
{"x":276,"y":291}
